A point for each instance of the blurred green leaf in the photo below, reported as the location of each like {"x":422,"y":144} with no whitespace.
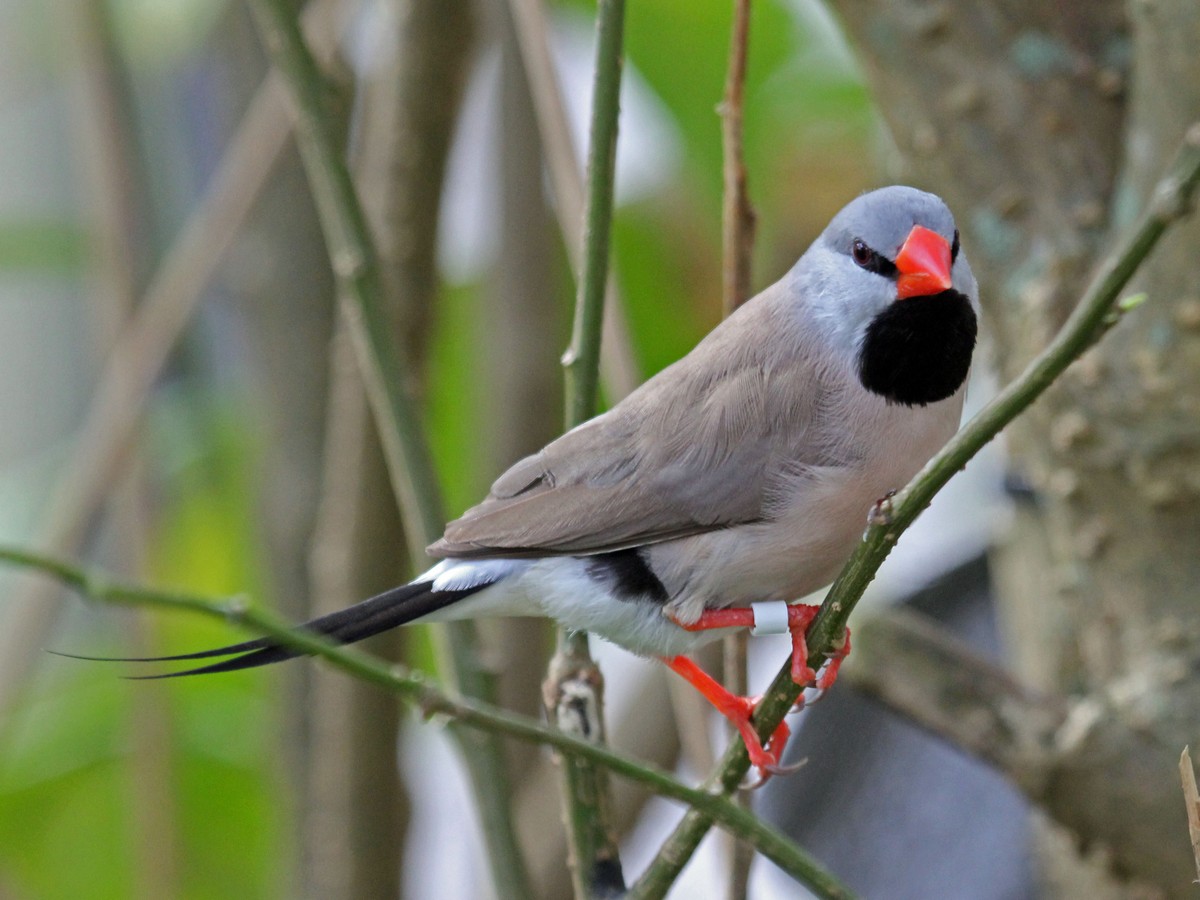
{"x":158,"y":34}
{"x":68,"y":768}
{"x":42,"y":246}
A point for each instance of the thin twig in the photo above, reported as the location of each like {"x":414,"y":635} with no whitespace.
{"x":1096,"y":313}
{"x":737,"y":245}
{"x":1191,"y":797}
{"x":574,"y":682}
{"x":737,"y":214}
{"x":582,"y":357}
{"x":618,"y":365}
{"x":386,"y":377}
{"x":434,"y":702}
{"x":101,"y":451}
{"x":115,"y":172}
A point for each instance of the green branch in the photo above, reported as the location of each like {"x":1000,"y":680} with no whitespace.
{"x":1094,"y":315}
{"x":356,"y":268}
{"x":738,"y":220}
{"x":432,"y":701}
{"x":586,"y":796}
{"x":387,"y":376}
{"x":582,"y":359}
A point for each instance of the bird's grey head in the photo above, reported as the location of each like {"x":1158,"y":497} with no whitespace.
{"x":889,"y":285}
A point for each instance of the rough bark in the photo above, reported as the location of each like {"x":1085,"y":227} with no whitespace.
{"x":1044,"y":126}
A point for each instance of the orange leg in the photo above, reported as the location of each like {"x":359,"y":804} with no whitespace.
{"x":829,"y":676}
{"x":737,"y":710}
{"x":799,"y":618}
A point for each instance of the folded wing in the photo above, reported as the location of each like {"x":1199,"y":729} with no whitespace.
{"x":697,"y":448}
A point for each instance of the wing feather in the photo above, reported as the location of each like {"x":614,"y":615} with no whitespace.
{"x":693,"y":450}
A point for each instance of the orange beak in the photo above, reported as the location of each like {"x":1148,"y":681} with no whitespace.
{"x":924,"y":264}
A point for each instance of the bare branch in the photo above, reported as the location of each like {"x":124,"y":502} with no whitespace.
{"x":618,"y":365}
{"x":1191,"y":797}
{"x":737,"y":240}
{"x":738,"y":218}
{"x":574,"y":685}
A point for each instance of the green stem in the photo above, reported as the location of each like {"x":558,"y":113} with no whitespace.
{"x":586,"y":797}
{"x":356,"y":269}
{"x":1095,"y":313}
{"x":737,"y":251}
{"x":387,"y":377}
{"x":582,"y":359}
{"x":432,"y":701}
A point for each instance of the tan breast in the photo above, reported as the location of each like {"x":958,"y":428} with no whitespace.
{"x":820,"y":516}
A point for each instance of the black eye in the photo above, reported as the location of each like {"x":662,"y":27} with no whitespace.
{"x":954,"y":248}
{"x":863,"y":255}
{"x":868,"y":259}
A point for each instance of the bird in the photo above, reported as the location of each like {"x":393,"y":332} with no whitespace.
{"x":732,"y":483}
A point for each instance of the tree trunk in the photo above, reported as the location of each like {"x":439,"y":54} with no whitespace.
{"x":1045,"y":126}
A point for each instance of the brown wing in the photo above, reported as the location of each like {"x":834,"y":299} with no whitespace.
{"x":694,"y":449}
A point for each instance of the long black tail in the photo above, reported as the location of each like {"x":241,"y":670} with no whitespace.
{"x":392,"y":608}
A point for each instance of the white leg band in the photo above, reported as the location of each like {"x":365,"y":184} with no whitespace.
{"x":770,"y":617}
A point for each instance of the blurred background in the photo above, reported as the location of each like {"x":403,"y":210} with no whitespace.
{"x":180,"y":407}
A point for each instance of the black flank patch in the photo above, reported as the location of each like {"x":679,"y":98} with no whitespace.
{"x":918,"y":350}
{"x":629,"y":575}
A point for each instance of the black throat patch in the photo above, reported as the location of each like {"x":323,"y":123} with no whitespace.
{"x":918,"y":350}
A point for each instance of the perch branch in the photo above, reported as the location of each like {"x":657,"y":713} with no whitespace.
{"x":737,"y":239}
{"x":573,"y":677}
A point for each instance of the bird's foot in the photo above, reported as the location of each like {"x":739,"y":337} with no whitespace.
{"x":740,"y":711}
{"x":829,"y":673}
{"x":774,"y":617}
{"x":826,"y":676}
{"x":763,"y":618}
{"x":799,"y":618}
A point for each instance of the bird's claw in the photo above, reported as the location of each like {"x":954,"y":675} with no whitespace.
{"x":767,"y":771}
{"x":789,"y":769}
{"x":818,"y":687}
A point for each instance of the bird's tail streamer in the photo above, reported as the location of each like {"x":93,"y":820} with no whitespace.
{"x":392,"y":608}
